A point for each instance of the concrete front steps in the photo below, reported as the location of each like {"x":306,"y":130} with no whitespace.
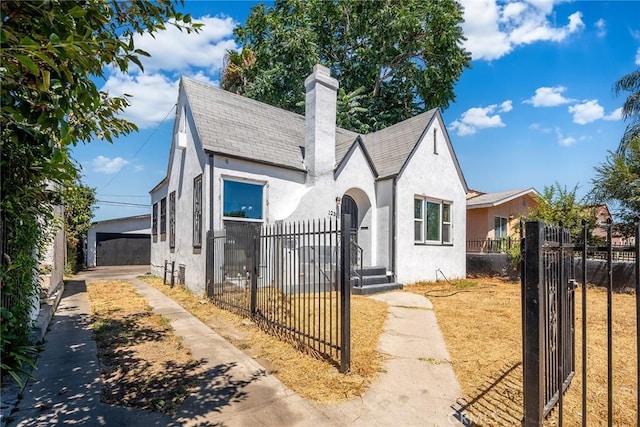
{"x":374,"y":280}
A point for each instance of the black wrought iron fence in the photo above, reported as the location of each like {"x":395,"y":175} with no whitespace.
{"x":292,"y":279}
{"x":548,"y":321}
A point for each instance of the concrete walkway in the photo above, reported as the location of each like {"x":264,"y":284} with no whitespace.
{"x":416,"y":389}
{"x":418,"y":385}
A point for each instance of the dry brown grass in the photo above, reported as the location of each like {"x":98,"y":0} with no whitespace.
{"x":481,"y":323}
{"x":313,"y":379}
{"x":142,"y":363}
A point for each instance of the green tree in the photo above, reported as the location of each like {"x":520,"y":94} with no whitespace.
{"x":558,"y":205}
{"x":617,"y":181}
{"x":51,"y":54}
{"x":399,"y":57}
{"x":79,"y":201}
{"x":630,"y":108}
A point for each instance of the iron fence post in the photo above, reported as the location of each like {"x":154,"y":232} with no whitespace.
{"x":254,"y":274}
{"x":345,"y":293}
{"x":533,"y":381}
{"x":209,"y":262}
{"x":173,"y":270}
{"x":164,"y":278}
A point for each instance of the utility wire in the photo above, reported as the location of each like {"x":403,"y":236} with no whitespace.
{"x":114,"y":203}
{"x":142,"y":146}
{"x":121,"y":195}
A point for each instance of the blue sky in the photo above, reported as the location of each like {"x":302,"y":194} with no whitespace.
{"x":536,"y":107}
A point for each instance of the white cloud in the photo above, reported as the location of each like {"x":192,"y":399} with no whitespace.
{"x":539,"y":128}
{"x":587,"y":112}
{"x":494,"y":30}
{"x":614,"y":115}
{"x":548,"y":97}
{"x":506,"y":106}
{"x":480,"y":118}
{"x":564,"y":140}
{"x":138,"y":168}
{"x":638,"y":56}
{"x":106,"y":165}
{"x":152,"y":96}
{"x":601,"y":27}
{"x":173,"y":50}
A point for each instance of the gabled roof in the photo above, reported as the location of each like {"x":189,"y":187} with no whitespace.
{"x":230,"y":124}
{"x":390,"y":147}
{"x":488,"y":200}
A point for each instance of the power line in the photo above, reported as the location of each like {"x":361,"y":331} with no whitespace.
{"x":143,"y":144}
{"x":121,"y":195}
{"x":114,"y":203}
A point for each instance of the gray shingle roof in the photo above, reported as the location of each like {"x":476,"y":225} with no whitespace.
{"x":494,"y":199}
{"x":238,"y":126}
{"x":390,"y":147}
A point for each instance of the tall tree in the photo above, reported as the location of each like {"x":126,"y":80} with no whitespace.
{"x":51,"y":52}
{"x":617,"y":179}
{"x":79,"y":201}
{"x":630,"y":108}
{"x":398,"y":57}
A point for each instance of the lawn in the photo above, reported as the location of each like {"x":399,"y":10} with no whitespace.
{"x":313,"y":379}
{"x":481,"y":323}
{"x":142,"y":363}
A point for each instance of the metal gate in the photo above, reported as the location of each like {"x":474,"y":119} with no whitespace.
{"x":292,"y":279}
{"x":548,"y":281}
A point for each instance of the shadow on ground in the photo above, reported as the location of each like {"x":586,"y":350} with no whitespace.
{"x":497,"y":402}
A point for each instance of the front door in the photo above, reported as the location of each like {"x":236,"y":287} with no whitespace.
{"x":350,"y":207}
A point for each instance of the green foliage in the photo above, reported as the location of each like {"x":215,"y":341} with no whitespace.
{"x":630,"y":109}
{"x":398,"y":58}
{"x":617,"y":181}
{"x":561,"y":205}
{"x":50,"y":53}
{"x":79,"y":201}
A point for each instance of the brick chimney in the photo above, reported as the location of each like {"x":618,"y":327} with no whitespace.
{"x":320,"y":124}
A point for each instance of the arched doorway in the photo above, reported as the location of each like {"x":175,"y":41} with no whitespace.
{"x":349,"y":206}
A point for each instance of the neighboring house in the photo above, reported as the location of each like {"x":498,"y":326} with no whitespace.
{"x":602,"y":215}
{"x":237,"y":160}
{"x":119,"y":241}
{"x":494,"y":216}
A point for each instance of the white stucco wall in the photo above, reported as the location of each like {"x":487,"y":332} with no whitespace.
{"x":140,"y":224}
{"x":434,"y":176}
{"x":184,"y":165}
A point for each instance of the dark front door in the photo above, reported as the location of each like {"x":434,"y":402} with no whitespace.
{"x":123,"y":249}
{"x":350,"y":207}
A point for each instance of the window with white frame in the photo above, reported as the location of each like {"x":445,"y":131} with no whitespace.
{"x":172,"y":220}
{"x":432,"y":221}
{"x":242,"y":201}
{"x":500,"y":227}
{"x":154,"y":222}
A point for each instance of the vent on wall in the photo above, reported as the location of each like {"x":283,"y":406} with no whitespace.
{"x":181,"y":140}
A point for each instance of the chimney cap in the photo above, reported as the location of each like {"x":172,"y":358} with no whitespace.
{"x":322,"y":75}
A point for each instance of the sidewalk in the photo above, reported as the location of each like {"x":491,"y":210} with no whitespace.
{"x":416,"y":389}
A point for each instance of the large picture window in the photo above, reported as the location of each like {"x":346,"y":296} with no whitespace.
{"x":172,"y":220}
{"x":242,"y":201}
{"x":432,"y":221}
{"x":197,"y":211}
{"x":163,"y":219}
